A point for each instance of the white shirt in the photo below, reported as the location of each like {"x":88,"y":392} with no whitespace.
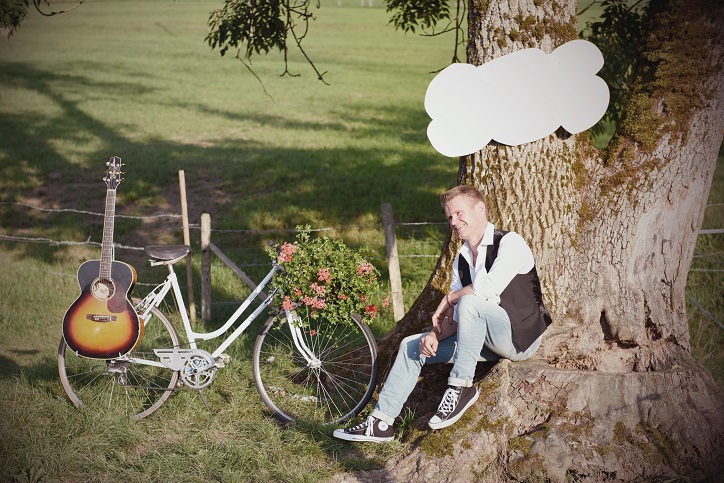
{"x":514,"y":257}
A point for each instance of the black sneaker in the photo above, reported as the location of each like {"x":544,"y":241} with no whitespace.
{"x":455,"y":402}
{"x":372,"y":429}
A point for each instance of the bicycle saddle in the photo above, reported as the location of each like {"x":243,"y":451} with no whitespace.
{"x":166,"y":253}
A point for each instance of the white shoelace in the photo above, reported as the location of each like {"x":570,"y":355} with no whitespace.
{"x":368,"y":424}
{"x":449,"y":401}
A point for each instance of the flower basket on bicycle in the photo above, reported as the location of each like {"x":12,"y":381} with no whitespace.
{"x":327,"y":301}
{"x":325,"y":277}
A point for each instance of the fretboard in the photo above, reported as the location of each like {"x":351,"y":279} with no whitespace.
{"x":107,"y":245}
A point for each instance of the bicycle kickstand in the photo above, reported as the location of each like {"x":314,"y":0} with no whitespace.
{"x":203,"y":398}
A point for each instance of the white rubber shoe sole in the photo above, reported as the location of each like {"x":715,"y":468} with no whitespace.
{"x":437,"y":423}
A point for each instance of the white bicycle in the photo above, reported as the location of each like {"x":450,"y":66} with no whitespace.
{"x":304,"y":368}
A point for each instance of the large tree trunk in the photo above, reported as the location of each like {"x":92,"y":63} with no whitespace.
{"x":613,"y":393}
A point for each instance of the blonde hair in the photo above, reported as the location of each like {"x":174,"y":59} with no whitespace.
{"x":470,"y":192}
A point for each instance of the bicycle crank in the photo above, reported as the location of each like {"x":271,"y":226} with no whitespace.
{"x":196,"y":367}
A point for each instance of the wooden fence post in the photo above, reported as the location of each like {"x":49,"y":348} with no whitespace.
{"x":187,"y":241}
{"x":393,"y":261}
{"x":205,"y":266}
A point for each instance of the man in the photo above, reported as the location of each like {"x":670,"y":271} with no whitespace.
{"x":494,"y":310}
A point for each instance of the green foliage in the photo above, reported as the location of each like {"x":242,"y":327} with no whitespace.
{"x":256,"y":27}
{"x":33,"y":475}
{"x":618,"y":34}
{"x":261,"y":25}
{"x":12,"y":12}
{"x":325,"y":277}
{"x":410,"y":14}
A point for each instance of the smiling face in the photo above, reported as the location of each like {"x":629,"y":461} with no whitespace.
{"x":467,"y":218}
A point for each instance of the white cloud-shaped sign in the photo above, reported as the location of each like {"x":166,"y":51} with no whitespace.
{"x":516,"y":99}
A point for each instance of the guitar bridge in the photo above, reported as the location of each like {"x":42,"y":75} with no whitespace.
{"x":100,"y":318}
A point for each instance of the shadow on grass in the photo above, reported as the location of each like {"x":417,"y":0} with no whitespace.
{"x":368,"y":458}
{"x":242,"y":184}
{"x":40,"y":369}
{"x":8,"y":368}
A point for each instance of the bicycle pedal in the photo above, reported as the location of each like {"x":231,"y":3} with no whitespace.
{"x":222,"y":360}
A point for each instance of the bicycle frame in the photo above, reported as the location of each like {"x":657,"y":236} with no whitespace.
{"x":304,"y":368}
{"x":158,"y":294}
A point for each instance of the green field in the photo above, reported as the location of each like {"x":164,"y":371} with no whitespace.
{"x":137,"y":80}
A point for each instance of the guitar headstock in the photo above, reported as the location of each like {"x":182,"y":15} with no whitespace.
{"x":113,"y":173}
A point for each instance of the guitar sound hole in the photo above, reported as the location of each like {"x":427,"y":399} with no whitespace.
{"x":103,"y":289}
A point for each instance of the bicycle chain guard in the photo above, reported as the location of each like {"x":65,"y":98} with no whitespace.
{"x":196,"y":367}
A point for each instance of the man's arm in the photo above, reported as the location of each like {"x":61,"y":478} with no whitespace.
{"x":447,"y":328}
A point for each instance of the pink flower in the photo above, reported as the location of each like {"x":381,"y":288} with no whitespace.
{"x":324,"y":275}
{"x":314,"y":302}
{"x":318,"y":289}
{"x":312,"y":332}
{"x":297,"y":292}
{"x":342,"y":296}
{"x":365,"y":268}
{"x":371,"y":310}
{"x":287,"y":304}
{"x":286,"y":252}
{"x":385,"y":302}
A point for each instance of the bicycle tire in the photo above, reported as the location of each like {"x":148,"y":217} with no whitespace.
{"x":335,"y":391}
{"x":119,"y":385}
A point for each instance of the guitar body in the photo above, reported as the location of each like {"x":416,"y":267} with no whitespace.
{"x":101,"y":323}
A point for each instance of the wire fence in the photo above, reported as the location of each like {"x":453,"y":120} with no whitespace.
{"x":159,"y":216}
{"x":195,"y":226}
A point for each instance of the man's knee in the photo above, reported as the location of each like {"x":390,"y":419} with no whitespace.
{"x":466,"y":302}
{"x":469,"y":308}
{"x":477,"y":307}
{"x":410,"y":347}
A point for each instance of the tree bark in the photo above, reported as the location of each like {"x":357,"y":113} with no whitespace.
{"x":613,"y":393}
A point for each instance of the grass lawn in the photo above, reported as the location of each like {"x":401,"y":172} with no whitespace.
{"x":136,"y":79}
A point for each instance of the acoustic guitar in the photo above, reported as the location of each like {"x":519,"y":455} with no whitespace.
{"x":101,"y":323}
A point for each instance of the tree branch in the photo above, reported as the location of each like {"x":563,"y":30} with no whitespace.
{"x":50,"y":14}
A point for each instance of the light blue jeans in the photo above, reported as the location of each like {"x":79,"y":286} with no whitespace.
{"x":484,"y":334}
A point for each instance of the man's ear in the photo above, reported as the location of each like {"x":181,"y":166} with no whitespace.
{"x":483,"y":210}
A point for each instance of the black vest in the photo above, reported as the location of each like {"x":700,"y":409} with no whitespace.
{"x":522,"y":299}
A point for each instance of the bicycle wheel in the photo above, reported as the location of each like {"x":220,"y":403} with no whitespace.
{"x":330,"y":390}
{"x":119,"y":385}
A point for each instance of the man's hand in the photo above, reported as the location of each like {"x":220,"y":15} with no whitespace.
{"x":428,"y":344}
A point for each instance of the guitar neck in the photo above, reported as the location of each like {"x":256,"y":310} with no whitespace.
{"x":107,"y":245}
